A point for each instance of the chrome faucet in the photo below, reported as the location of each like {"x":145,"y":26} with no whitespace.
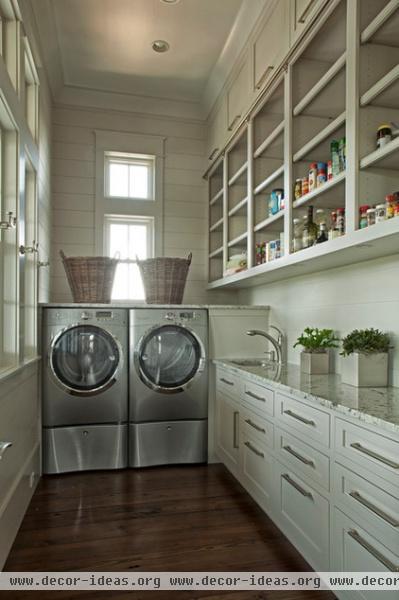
{"x":277,"y":343}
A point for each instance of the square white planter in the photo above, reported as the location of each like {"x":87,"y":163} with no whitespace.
{"x":315,"y":363}
{"x":365,"y":370}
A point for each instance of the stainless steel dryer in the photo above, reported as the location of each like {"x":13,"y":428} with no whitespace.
{"x":85,"y":389}
{"x":168,"y":386}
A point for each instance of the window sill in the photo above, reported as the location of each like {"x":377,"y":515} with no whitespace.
{"x":9,"y":372}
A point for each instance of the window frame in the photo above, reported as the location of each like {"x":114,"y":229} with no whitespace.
{"x":129,"y":220}
{"x":130,"y":160}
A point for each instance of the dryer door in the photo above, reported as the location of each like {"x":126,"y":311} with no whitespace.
{"x":85,"y":359}
{"x":169,"y":358}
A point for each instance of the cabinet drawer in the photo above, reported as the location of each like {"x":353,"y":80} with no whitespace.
{"x":303,"y":515}
{"x":255,"y":426}
{"x":256,"y":463}
{"x":311,"y":422}
{"x":376,"y":453}
{"x":303,"y":458}
{"x":354,"y":549}
{"x":228,"y":384}
{"x":369,"y":503}
{"x":259,"y":398}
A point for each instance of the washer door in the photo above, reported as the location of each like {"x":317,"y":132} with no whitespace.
{"x":169,"y":357}
{"x":85,"y":359}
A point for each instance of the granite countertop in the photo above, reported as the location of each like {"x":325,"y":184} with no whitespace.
{"x":374,"y":406}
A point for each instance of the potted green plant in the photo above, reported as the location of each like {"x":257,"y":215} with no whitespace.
{"x":365,"y":362}
{"x":315,"y":357}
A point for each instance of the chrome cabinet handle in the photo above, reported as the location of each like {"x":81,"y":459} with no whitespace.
{"x":254,"y":450}
{"x":252,"y":395}
{"x":226,"y":381}
{"x":380,"y":513}
{"x":304,"y":15}
{"x":235,"y":427}
{"x":263,"y":77}
{"x":373,"y":551}
{"x":4,"y":446}
{"x":297,"y":486}
{"x":385,"y":461}
{"x":213,"y":153}
{"x":290,"y":413}
{"x":306,"y":461}
{"x":255,"y":426}
{"x":234,"y":121}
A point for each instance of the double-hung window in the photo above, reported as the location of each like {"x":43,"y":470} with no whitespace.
{"x":128,"y":238}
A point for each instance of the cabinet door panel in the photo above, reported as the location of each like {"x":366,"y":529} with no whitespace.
{"x":302,"y":13}
{"x":227,"y":430}
{"x":217,"y":131}
{"x":238,"y":96}
{"x":256,"y":465}
{"x":271,"y":44}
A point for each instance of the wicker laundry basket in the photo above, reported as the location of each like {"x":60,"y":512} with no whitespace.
{"x":164,"y":279}
{"x":90,"y":277}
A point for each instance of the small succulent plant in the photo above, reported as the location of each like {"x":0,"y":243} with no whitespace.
{"x":365,"y":341}
{"x":314,"y":340}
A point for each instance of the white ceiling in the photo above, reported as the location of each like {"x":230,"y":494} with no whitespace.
{"x":106,"y":44}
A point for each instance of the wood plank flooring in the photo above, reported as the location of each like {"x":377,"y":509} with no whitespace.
{"x":195,"y":518}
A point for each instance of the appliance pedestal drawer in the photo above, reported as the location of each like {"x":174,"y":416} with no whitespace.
{"x":303,"y":515}
{"x":84,"y":448}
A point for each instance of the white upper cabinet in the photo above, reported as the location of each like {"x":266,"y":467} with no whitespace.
{"x":238,"y":94}
{"x":217,"y":130}
{"x":271,"y":44}
{"x":301,"y":14}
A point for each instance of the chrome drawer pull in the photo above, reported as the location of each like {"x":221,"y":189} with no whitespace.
{"x":252,"y":395}
{"x":297,"y":486}
{"x":4,"y":446}
{"x":226,"y":381}
{"x":235,"y":436}
{"x":374,"y":509}
{"x":299,"y":418}
{"x":373,"y":454}
{"x":213,"y":153}
{"x":373,"y":551}
{"x":306,"y":461}
{"x":254,"y":450}
{"x":255,"y":426}
{"x":304,"y":15}
{"x":234,"y":121}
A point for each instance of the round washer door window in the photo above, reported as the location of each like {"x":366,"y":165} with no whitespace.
{"x":85,"y":358}
{"x":169,"y":357}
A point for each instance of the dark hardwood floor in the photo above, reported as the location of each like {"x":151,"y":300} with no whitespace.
{"x":195,"y":518}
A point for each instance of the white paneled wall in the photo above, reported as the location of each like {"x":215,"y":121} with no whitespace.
{"x":185,"y":198}
{"x":358,"y":296}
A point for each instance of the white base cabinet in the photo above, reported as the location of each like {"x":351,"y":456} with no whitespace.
{"x":329,"y":483}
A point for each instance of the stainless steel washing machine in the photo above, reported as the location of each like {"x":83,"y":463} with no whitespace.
{"x":85,"y":389}
{"x":168,"y":386}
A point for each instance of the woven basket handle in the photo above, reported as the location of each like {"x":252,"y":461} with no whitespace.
{"x":62,"y":255}
{"x":189,"y":257}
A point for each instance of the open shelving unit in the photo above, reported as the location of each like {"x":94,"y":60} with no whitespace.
{"x":341,"y":81}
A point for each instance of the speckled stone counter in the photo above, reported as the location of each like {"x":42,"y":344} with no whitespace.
{"x":374,"y":406}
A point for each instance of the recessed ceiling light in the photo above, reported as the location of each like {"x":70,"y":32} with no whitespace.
{"x":160,"y":46}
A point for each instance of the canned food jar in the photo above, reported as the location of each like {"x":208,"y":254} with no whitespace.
{"x":329,"y":170}
{"x":305,"y":186}
{"x":341,"y":221}
{"x":298,"y":189}
{"x":380,"y":213}
{"x":321,"y":173}
{"x":390,"y":201}
{"x":312,"y":176}
{"x":363,"y":216}
{"x":370,"y":217}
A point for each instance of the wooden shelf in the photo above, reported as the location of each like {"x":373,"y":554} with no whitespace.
{"x":238,"y":174}
{"x":218,"y":226}
{"x":383,"y":84}
{"x":216,"y":197}
{"x":320,"y":85}
{"x":324,"y":191}
{"x":269,"y":221}
{"x":238,"y":207}
{"x":266,"y":182}
{"x":216,"y":253}
{"x":238,"y":241}
{"x":372,"y":242}
{"x":320,"y":137}
{"x":269,"y":140}
{"x":386,"y":157}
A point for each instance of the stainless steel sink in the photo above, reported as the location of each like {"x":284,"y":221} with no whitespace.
{"x":253,"y":362}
